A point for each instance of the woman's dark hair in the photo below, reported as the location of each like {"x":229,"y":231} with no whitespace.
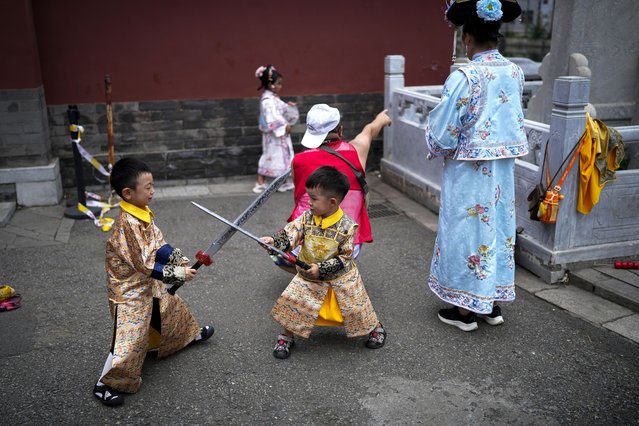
{"x":269,"y":76}
{"x":125,"y":174}
{"x":331,"y":181}
{"x":483,"y":31}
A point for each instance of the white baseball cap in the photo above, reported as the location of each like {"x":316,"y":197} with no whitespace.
{"x":320,"y":120}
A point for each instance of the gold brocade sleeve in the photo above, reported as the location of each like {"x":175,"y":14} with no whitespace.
{"x":295,"y":231}
{"x":345,"y":251}
{"x":140,"y":245}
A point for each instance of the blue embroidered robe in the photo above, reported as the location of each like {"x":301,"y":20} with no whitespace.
{"x":479,"y":130}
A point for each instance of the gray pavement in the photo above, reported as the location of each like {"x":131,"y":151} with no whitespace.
{"x":564,"y":356}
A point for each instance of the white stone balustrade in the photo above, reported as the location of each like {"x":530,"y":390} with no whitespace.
{"x":611,"y":230}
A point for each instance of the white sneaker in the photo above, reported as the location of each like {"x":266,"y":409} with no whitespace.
{"x":287,"y":186}
{"x":259,"y":188}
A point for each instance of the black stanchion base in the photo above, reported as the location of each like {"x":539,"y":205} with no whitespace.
{"x":72,"y":212}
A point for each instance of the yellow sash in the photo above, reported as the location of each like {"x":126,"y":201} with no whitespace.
{"x":317,"y":249}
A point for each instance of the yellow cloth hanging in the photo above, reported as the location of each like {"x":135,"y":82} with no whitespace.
{"x":330,"y":314}
{"x":600,"y":156}
{"x":154,"y":339}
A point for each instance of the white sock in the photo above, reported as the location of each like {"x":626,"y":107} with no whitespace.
{"x":107,"y":366}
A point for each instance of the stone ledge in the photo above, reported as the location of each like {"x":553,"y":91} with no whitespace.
{"x":584,"y":304}
{"x":6,"y":211}
{"x":49,"y":172}
{"x":606,"y":286}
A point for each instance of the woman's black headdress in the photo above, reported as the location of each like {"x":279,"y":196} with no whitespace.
{"x":461,"y":11}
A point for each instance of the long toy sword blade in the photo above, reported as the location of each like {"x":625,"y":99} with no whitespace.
{"x":283,"y":255}
{"x":234,"y":226}
{"x":246,"y":214}
{"x":217,"y":244}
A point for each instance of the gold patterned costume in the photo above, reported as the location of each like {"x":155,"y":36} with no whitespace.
{"x":138,"y":262}
{"x":306,"y":302}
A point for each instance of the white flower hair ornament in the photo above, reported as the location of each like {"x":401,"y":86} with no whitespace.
{"x":489,"y":10}
{"x":260,"y":71}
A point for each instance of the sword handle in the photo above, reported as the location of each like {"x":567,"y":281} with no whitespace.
{"x":302,"y":265}
{"x":203,"y":258}
{"x":175,"y":287}
{"x":291,"y":258}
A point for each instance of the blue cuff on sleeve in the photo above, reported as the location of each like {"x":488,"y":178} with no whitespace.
{"x":161,"y":259}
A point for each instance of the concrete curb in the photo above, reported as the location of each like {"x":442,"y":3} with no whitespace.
{"x":6,"y":212}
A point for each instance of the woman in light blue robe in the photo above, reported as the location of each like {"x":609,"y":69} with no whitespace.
{"x":479,"y":130}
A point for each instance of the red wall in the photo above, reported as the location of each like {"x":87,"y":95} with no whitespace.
{"x":20,"y":67}
{"x":201,"y":49}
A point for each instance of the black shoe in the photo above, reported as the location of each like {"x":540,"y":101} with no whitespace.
{"x":206,"y":332}
{"x":108,"y":396}
{"x":451,"y":316}
{"x":282,"y":349}
{"x":493,"y":318}
{"x":376,"y":338}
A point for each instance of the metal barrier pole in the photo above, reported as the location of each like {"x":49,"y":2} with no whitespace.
{"x":72,"y":211}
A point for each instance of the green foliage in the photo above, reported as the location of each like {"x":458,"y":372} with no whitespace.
{"x":537,"y":32}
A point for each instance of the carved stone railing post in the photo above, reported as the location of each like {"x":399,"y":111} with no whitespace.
{"x":567,"y":124}
{"x":393,"y":79}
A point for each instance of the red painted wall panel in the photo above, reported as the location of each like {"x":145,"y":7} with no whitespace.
{"x":18,"y":46}
{"x":156,"y":50}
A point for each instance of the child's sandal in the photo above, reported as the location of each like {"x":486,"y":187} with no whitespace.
{"x":376,"y":338}
{"x":282,"y":349}
{"x":108,"y":396}
{"x":13,"y":302}
{"x":206,"y":332}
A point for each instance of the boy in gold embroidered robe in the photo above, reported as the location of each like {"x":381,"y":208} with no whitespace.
{"x":138,"y":264}
{"x":331,"y":292}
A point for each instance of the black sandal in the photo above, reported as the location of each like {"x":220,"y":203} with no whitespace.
{"x":376,"y":338}
{"x":282,"y":349}
{"x":108,"y":396}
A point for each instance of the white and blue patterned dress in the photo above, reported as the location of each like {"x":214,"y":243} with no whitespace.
{"x":479,"y":130}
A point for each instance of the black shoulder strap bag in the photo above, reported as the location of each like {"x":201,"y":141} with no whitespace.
{"x":358,"y":174}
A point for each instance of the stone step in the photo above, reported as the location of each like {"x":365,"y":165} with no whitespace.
{"x":629,"y":276}
{"x":617,"y":285}
{"x":6,"y":211}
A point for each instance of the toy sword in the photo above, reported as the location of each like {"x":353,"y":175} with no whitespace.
{"x":284,"y":255}
{"x":204,"y":257}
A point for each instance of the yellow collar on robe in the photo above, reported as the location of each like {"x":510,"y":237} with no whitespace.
{"x":145,"y":214}
{"x":325,"y":222}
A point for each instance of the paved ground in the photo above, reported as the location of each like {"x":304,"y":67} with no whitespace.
{"x":546,"y":365}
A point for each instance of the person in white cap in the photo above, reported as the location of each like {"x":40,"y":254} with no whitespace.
{"x":324,"y":137}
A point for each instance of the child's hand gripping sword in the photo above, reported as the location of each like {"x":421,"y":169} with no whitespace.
{"x":284,"y":255}
{"x":204,"y":257}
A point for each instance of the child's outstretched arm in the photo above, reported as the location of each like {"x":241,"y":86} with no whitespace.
{"x":288,"y":237}
{"x":362,"y":142}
